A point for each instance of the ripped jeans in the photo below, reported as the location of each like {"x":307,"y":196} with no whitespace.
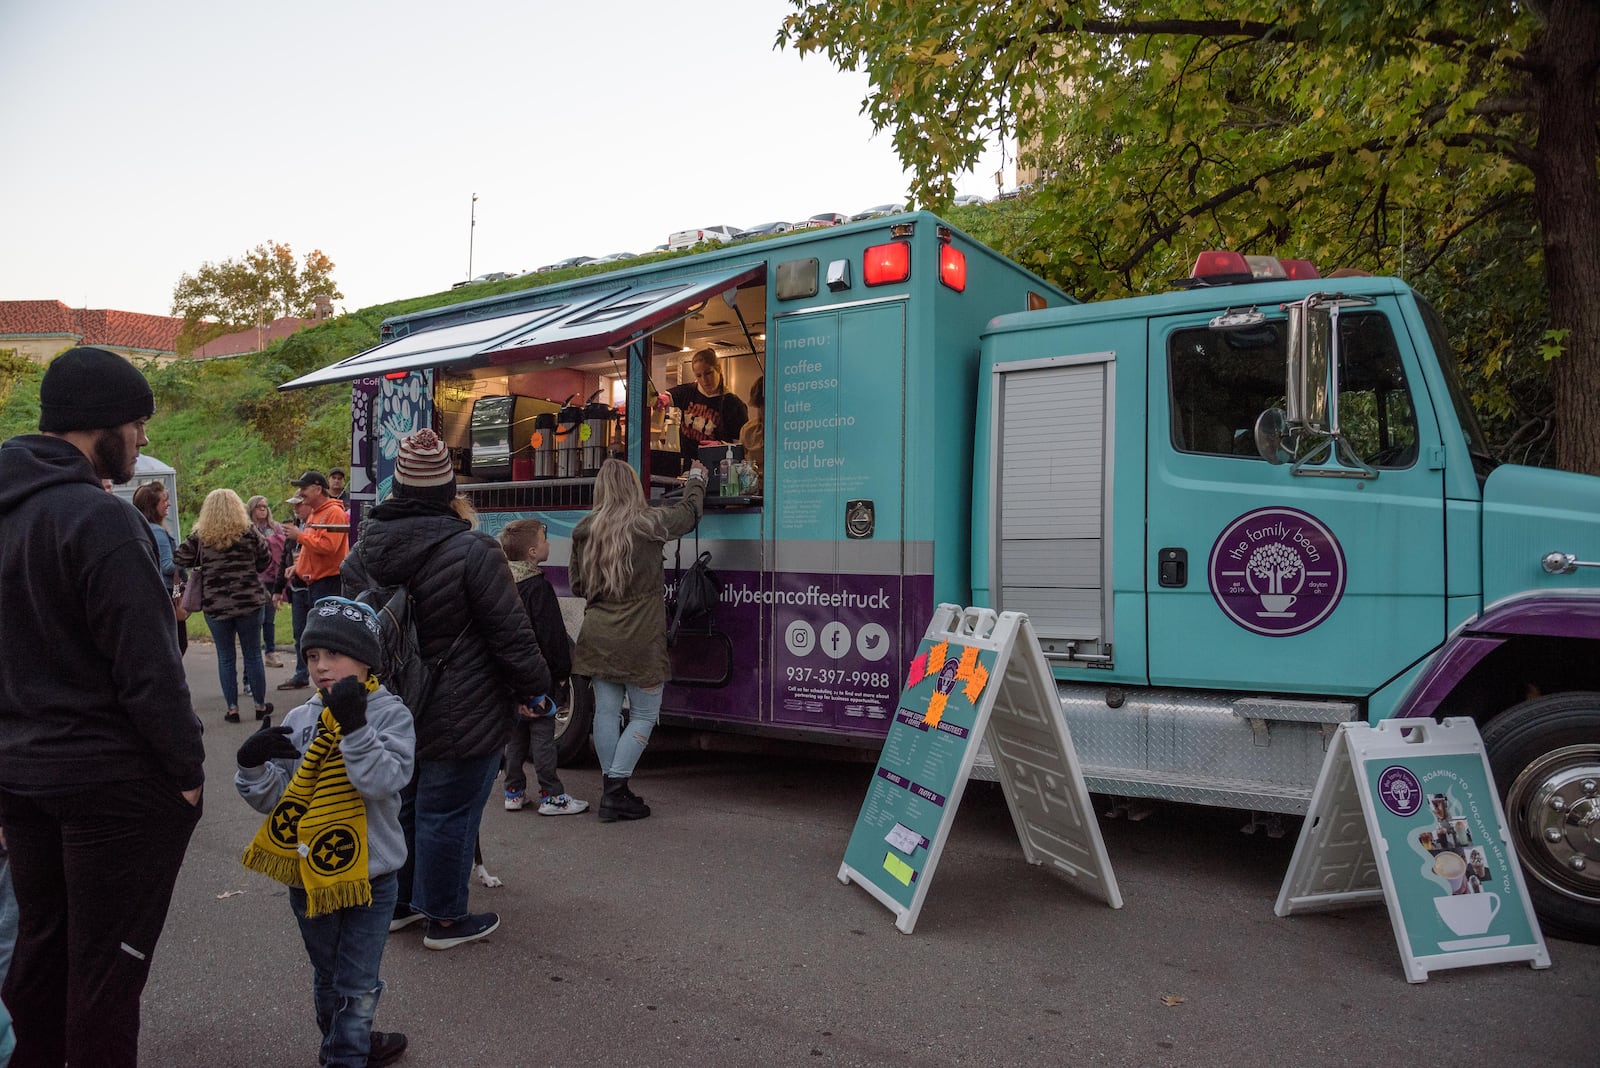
{"x":345,"y":947}
{"x":617,"y":747}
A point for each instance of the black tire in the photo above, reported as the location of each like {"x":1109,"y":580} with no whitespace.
{"x":1545,"y":755}
{"x":574,"y":720}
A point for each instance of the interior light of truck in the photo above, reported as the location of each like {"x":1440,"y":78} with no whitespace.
{"x":1300,"y":269}
{"x":953,"y":268}
{"x":883,"y":264}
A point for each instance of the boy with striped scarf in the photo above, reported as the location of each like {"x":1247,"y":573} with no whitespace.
{"x":329,"y":780}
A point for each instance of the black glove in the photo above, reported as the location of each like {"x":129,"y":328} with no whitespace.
{"x":347,"y":700}
{"x":269,"y":743}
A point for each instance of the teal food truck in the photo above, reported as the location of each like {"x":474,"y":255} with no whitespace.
{"x":1237,"y":514}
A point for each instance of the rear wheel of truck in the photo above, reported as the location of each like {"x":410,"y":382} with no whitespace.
{"x":1545,"y":755}
{"x":574,"y":718}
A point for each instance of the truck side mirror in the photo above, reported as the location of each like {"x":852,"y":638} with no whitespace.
{"x":1272,"y":437}
{"x":1310,"y":350}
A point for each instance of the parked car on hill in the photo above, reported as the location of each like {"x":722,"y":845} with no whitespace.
{"x":690,"y":238}
{"x":765,"y":230}
{"x":878,"y":212}
{"x":967,"y":200}
{"x":492,"y":276}
{"x":615,"y":256}
{"x":827,"y":218}
{"x":570,"y":261}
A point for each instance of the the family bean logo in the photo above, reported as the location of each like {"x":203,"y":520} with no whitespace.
{"x":1277,"y":571}
{"x":1399,"y":790}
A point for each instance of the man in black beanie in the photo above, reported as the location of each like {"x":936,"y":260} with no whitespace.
{"x":100,"y":784}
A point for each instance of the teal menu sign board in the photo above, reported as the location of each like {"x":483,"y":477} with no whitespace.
{"x":923,"y":768}
{"x":1408,"y":813}
{"x":977,"y":676}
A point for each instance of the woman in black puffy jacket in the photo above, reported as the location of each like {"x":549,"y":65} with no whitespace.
{"x":464,"y":604}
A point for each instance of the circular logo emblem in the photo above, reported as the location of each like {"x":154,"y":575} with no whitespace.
{"x":333,"y":850}
{"x":947,"y":676}
{"x":872,"y":641}
{"x":285,"y":823}
{"x":1399,"y":790}
{"x":800,"y":638}
{"x":1277,"y":571}
{"x":835,"y":640}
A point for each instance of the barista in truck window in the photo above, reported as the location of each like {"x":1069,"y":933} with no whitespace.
{"x":710,"y":413}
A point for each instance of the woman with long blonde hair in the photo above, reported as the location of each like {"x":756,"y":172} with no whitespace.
{"x":616,"y":568}
{"x":230,"y":555}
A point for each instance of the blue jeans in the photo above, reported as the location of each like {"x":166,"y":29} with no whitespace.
{"x":345,"y":947}
{"x":618,"y":749}
{"x":247,"y":629}
{"x":269,"y":617}
{"x":440,"y":812}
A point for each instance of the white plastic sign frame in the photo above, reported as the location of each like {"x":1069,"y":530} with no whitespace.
{"x":1407,"y":813}
{"x":927,"y":760}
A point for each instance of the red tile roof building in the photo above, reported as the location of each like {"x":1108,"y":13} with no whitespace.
{"x":41,"y":329}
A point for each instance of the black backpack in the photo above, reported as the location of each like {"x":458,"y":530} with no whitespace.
{"x":406,"y":674}
{"x":695,"y":592}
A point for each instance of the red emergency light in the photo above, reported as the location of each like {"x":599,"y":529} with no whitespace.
{"x":1224,"y":267}
{"x":953,"y":268}
{"x":393,"y":375}
{"x":883,"y":264}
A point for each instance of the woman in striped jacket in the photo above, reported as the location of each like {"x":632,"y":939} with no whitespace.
{"x":229,"y":555}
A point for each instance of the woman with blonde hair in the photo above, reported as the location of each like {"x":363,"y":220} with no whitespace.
{"x":226,"y":550}
{"x":622,"y":647}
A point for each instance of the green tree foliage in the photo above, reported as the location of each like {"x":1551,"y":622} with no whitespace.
{"x":1390,"y":135}
{"x":265,"y":283}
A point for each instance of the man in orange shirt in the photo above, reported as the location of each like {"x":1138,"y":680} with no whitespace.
{"x":324,"y":542}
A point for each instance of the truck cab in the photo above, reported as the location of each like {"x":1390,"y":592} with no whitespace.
{"x":1241,"y":513}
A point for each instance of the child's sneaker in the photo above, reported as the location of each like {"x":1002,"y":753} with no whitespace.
{"x":516,"y":800}
{"x":559,"y":805}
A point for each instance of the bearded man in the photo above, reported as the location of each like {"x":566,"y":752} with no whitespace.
{"x":101,"y":774}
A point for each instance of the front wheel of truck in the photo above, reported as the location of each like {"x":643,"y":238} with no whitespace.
{"x":574,"y":718}
{"x":1545,"y":755}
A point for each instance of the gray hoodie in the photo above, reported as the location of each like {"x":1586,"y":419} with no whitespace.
{"x":378,"y":758}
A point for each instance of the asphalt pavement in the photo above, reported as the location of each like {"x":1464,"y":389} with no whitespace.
{"x":717,"y":933}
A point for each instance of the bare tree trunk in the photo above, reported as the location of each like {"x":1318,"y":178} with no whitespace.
{"x":1567,"y":194}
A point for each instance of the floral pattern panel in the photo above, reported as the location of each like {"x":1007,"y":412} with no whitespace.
{"x":383,"y":411}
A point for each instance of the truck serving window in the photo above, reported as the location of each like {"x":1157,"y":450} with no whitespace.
{"x":1221,"y":380}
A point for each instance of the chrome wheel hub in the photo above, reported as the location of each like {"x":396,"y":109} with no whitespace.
{"x":1555,"y":807}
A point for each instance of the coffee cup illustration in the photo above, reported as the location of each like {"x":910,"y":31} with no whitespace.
{"x":1278,"y":603}
{"x":1468,"y":914}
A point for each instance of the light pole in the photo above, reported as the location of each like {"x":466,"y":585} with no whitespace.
{"x":472,"y":230}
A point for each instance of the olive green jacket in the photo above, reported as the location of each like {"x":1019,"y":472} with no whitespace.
{"x":626,"y":640}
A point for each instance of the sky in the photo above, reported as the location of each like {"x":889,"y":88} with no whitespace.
{"x":142,"y":139}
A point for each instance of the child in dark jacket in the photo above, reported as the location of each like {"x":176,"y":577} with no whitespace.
{"x":534,"y":735}
{"x":329,"y":781}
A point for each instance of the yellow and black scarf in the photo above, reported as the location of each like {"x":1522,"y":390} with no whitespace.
{"x":316,"y":835}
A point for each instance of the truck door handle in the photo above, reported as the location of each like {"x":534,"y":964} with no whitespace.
{"x":1172,"y":567}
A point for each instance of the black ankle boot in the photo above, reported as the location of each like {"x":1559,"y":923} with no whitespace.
{"x":616,"y":803}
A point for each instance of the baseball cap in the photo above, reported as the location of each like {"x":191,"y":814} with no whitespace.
{"x":310,"y":478}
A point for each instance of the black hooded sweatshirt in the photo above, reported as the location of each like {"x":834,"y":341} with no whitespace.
{"x":92,"y":688}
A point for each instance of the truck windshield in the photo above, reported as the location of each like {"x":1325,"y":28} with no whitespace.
{"x":1482,"y":460}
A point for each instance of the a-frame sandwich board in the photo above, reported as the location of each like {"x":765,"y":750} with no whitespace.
{"x":1407,"y":813}
{"x":976,"y":675}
